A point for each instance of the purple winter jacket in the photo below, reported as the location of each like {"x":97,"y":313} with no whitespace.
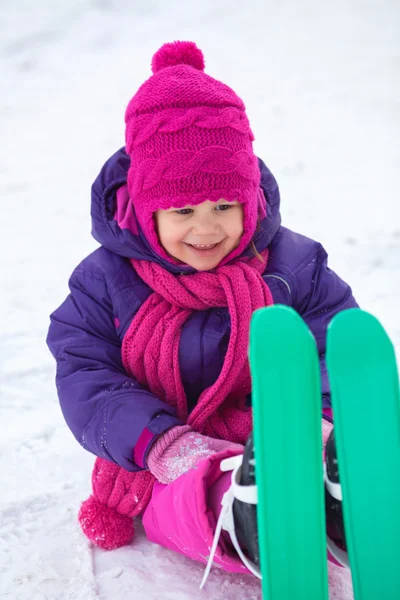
{"x":108,"y":411}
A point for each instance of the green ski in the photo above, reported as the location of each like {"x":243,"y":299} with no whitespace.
{"x":286,"y":400}
{"x":366,"y":405}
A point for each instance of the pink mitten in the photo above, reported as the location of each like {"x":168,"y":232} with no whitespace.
{"x":180,"y":449}
{"x":106,"y":517}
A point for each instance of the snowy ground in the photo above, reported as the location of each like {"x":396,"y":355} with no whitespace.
{"x":321,"y":83}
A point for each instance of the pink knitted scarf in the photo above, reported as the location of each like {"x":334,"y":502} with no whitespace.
{"x":151,"y":345}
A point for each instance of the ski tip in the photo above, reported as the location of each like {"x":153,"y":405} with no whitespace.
{"x":282,"y":327}
{"x":353,"y":315}
{"x":355,"y":329}
{"x":277,"y":316}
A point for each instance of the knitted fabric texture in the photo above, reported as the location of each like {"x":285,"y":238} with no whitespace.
{"x":117,"y":496}
{"x":179,"y":449}
{"x":150,"y":349}
{"x":189,"y":140}
{"x":150,"y":353}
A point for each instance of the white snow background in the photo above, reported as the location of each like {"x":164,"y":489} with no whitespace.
{"x":321,"y":85}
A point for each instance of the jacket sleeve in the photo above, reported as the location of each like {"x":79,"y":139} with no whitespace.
{"x":108,"y":412}
{"x":319,"y":294}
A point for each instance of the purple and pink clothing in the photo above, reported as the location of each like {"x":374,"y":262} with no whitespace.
{"x":109,"y":412}
{"x":182,"y":515}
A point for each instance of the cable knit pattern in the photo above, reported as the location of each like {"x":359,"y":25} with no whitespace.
{"x":171,"y":120}
{"x":188,"y":137}
{"x":183,"y":163}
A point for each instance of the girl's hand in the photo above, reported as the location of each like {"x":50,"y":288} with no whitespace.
{"x":180,"y":449}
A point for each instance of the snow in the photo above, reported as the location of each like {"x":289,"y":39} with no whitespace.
{"x":321,"y":86}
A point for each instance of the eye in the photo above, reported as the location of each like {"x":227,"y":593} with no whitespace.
{"x":184,"y":211}
{"x":223,"y":207}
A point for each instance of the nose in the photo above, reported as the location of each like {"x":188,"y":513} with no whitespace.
{"x":205,"y":225}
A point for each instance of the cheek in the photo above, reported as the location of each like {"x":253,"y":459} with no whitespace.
{"x":236,"y":226}
{"x":162,"y":229}
{"x":171,"y":239}
{"x":169,"y":233}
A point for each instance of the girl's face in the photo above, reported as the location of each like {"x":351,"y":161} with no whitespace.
{"x":201,"y":236}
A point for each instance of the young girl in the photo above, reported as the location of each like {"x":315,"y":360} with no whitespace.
{"x":151,"y":344}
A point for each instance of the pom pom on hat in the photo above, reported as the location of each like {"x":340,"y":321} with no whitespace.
{"x":178,"y":53}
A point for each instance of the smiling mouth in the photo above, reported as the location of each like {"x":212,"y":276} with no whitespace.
{"x":203,"y":246}
{"x":205,"y":249}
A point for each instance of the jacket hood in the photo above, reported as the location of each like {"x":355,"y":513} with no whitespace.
{"x":109,"y":192}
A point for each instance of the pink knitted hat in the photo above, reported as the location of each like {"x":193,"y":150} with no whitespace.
{"x":189,"y":140}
